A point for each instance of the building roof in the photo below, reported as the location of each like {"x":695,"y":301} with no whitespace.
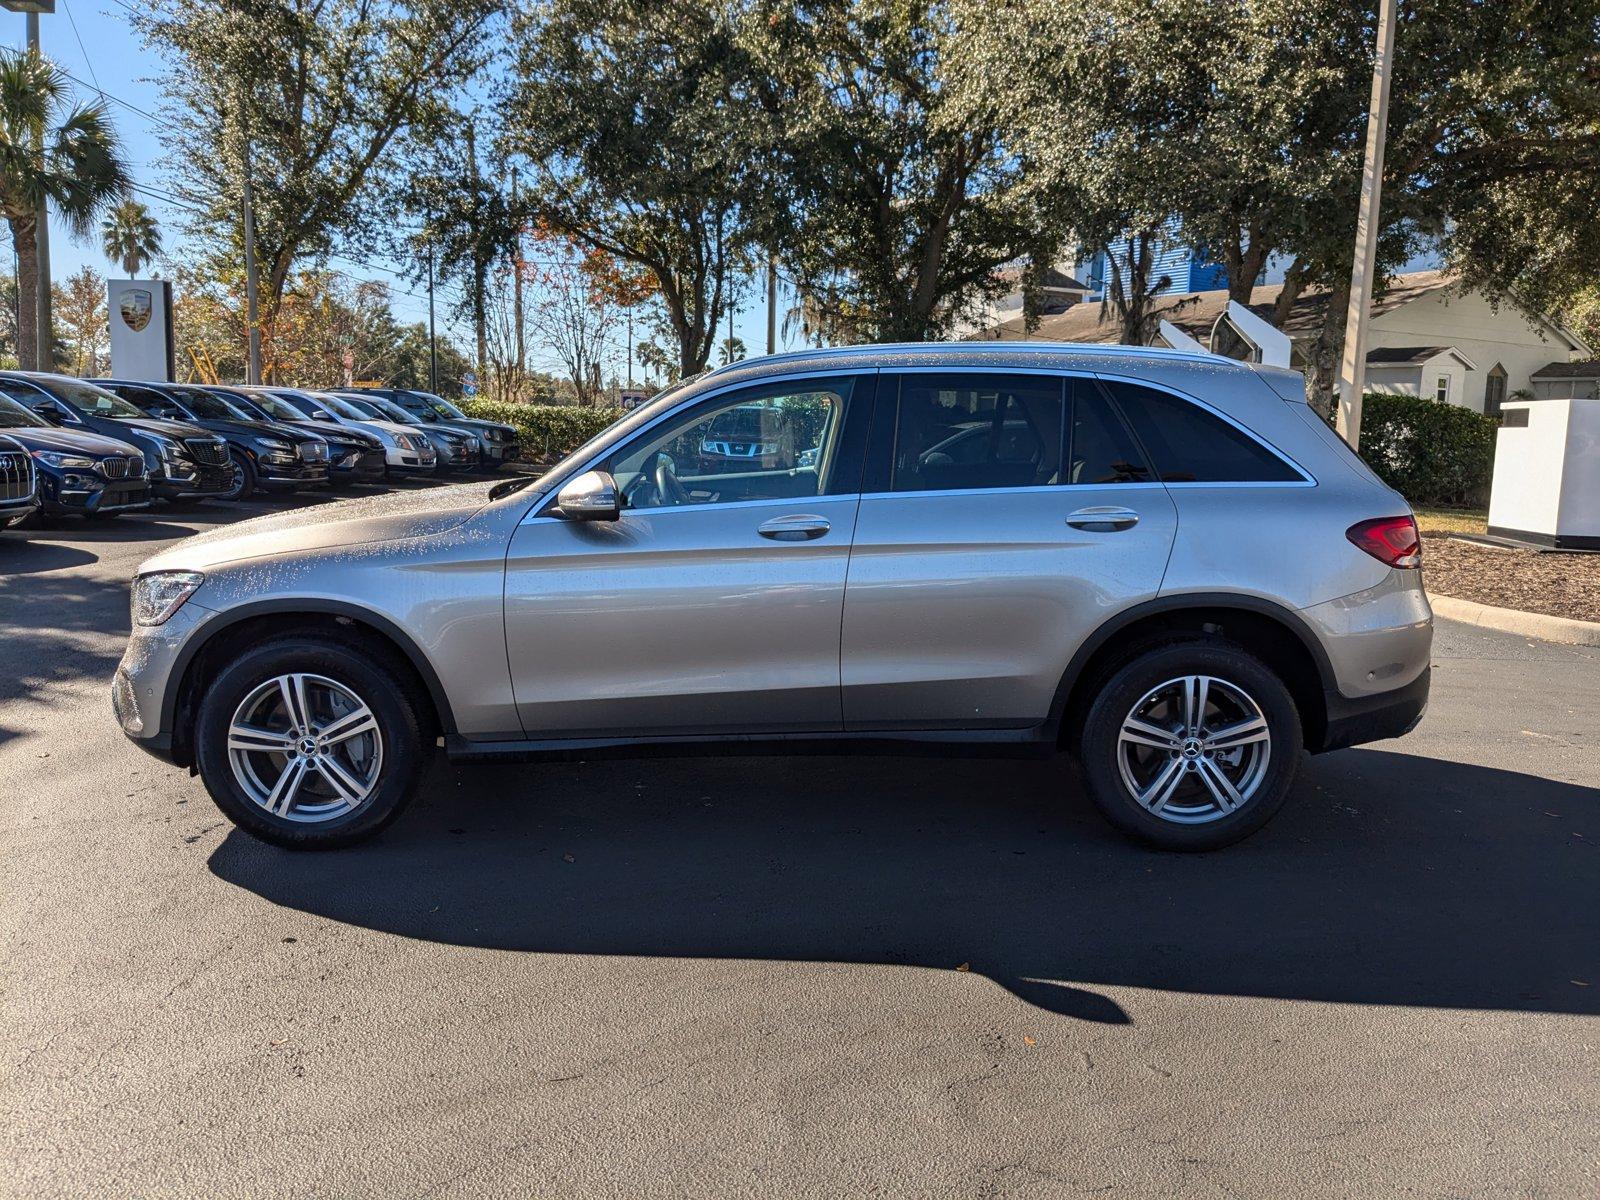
{"x":1054,"y":279}
{"x":1391,"y":356}
{"x":1401,"y":355}
{"x":1196,"y":312}
{"x":1587,"y":369}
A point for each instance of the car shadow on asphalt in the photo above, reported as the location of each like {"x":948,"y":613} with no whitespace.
{"x":1388,"y":879}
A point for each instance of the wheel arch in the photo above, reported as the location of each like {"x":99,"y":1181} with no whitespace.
{"x":1279,"y":636}
{"x":250,"y":624}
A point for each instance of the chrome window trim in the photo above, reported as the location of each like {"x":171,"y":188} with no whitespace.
{"x":1033,"y":488}
{"x":1307,"y":479}
{"x":771,"y":502}
{"x":548,"y":500}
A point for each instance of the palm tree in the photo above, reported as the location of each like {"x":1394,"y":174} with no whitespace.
{"x":51,"y":151}
{"x":130,"y":236}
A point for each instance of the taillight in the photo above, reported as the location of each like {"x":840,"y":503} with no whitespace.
{"x":1390,"y":540}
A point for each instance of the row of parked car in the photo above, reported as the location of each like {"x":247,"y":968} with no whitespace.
{"x":98,"y":448}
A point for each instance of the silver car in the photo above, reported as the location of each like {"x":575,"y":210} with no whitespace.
{"x":1163,"y":563}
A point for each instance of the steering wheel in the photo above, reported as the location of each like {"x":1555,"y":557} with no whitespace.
{"x":668,"y":489}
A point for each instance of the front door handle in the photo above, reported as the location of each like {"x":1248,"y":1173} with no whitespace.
{"x":800,"y":527}
{"x":1103,"y":518}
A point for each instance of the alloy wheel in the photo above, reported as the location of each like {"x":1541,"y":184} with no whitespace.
{"x":305,"y":748}
{"x":1194,"y":749}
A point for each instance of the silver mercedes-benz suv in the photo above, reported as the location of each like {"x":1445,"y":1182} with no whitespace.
{"x":1162,"y":563}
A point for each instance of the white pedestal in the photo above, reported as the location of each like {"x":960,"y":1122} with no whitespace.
{"x":1546,"y":486}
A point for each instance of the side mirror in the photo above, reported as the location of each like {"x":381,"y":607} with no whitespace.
{"x":592,"y":496}
{"x":318,"y":414}
{"x":48,"y":411}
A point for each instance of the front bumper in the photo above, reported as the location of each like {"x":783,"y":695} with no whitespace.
{"x":358,"y":466}
{"x":206,"y":479}
{"x":15,"y":510}
{"x":410,"y":462}
{"x":81,"y":493}
{"x":278,"y":477}
{"x":498,"y":453}
{"x":148,"y":672}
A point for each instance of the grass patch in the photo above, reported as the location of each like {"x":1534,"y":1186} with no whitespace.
{"x":1452,"y":520}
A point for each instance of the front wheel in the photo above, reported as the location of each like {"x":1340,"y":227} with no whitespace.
{"x":244,"y":478}
{"x":309,"y":744}
{"x":1191,"y":746}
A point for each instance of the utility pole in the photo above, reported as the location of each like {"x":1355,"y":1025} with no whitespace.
{"x":46,"y":340}
{"x":630,"y":349}
{"x":772,"y":305}
{"x":433,"y":343}
{"x":729,"y":351}
{"x":516,"y":279}
{"x":252,"y":312}
{"x":1353,"y":365}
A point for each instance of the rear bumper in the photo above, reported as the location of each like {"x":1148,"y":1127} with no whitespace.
{"x":1375,"y":718}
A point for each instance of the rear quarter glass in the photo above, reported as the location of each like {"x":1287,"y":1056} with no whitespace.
{"x":1336,"y":448}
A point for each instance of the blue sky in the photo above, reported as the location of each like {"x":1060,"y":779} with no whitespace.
{"x":95,"y":43}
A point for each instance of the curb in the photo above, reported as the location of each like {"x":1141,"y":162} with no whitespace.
{"x":1564,"y":630}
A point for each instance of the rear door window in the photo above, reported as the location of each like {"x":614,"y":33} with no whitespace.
{"x":968,"y":430}
{"x":1100,"y":450}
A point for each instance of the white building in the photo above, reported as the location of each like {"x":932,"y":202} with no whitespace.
{"x":1426,"y":337}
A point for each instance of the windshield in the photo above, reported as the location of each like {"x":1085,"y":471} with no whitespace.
{"x":276,"y":407}
{"x":342,"y":406}
{"x":95,"y":401}
{"x":208,"y":407}
{"x":388,"y":409}
{"x":15,"y":416}
{"x":440,"y":406}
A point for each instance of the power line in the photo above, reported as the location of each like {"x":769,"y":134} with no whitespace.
{"x":67,"y":8}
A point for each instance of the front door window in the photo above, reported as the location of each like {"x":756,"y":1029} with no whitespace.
{"x":766,"y":443}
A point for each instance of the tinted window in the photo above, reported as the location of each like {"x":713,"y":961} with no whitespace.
{"x":1099,"y":447}
{"x":959,"y":431}
{"x":1189,"y":445}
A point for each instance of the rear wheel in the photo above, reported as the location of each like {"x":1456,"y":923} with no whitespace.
{"x":1191,"y":746}
{"x":309,"y":744}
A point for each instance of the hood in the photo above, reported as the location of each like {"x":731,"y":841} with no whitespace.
{"x":393,"y":427}
{"x":478,"y":423}
{"x":70,"y":441}
{"x":277,"y":429}
{"x":334,"y":528}
{"x":171,"y":429}
{"x":337,"y":433}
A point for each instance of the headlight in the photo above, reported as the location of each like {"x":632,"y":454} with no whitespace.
{"x":275,"y":446}
{"x":54,"y":458}
{"x":166,"y":447}
{"x":155,"y":597}
{"x":410,"y":441}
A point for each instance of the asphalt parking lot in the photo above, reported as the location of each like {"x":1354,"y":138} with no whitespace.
{"x":793,"y":977}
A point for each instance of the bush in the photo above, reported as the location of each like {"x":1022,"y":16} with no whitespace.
{"x":549,"y":431}
{"x":1431,"y":453}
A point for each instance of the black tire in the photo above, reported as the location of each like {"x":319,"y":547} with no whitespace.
{"x":1189,"y":826}
{"x":244,"y":478}
{"x":373,"y":677}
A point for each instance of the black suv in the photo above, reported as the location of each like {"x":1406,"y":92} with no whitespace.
{"x":77,"y":471}
{"x":353,"y":456}
{"x":499,"y":442}
{"x":19,"y":485}
{"x":265,"y":456}
{"x":185,"y":462}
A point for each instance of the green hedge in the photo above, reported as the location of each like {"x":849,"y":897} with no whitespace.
{"x":549,"y":431}
{"x":1431,"y":453}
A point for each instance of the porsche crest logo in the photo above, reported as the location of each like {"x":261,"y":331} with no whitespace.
{"x":137,"y":305}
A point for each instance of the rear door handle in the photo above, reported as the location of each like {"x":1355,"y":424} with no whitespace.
{"x":1103,"y":518}
{"x":801,"y":527}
